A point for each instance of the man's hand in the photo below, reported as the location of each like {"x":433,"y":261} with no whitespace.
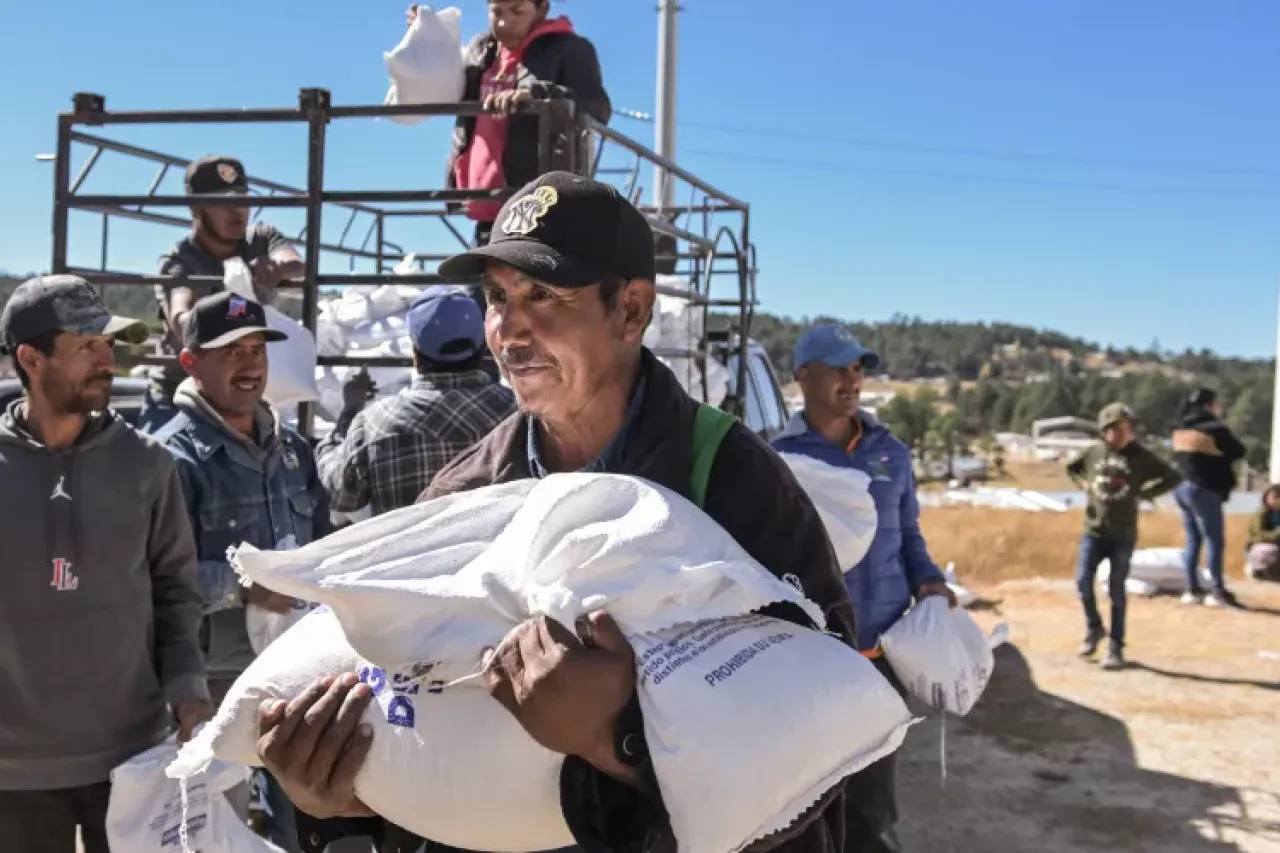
{"x":565,"y":692}
{"x":191,"y":714}
{"x":411,"y":15}
{"x":315,"y":745}
{"x":507,"y":102}
{"x":358,"y":390}
{"x":267,"y":273}
{"x":930,"y":588}
{"x":260,"y":596}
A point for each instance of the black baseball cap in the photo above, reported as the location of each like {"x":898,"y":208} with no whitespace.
{"x":223,"y":319}
{"x":567,"y":231}
{"x":215,"y":175}
{"x":62,"y":303}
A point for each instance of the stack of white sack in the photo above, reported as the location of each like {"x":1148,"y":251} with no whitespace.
{"x":426,"y":67}
{"x":412,"y":599}
{"x":678,"y":325}
{"x":146,"y":812}
{"x":844,"y":502}
{"x":363,"y":322}
{"x":941,"y":655}
{"x":1153,"y":571}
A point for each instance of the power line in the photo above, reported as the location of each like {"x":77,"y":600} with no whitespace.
{"x":956,"y":177}
{"x":942,"y":150}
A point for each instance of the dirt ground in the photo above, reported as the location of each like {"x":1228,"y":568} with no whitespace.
{"x":1179,"y":754}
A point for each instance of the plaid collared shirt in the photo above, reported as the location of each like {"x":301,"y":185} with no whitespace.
{"x":396,"y":446}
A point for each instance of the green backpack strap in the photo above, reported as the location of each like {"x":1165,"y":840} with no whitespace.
{"x":710,"y":426}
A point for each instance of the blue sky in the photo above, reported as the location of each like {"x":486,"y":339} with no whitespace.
{"x":1109,"y":169}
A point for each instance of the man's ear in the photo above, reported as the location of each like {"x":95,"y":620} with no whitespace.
{"x":187,"y":360}
{"x":801,"y":374}
{"x":30,"y":358}
{"x":636,"y":301}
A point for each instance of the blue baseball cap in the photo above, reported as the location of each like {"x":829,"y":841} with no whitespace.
{"x":445,"y":324}
{"x":835,"y":345}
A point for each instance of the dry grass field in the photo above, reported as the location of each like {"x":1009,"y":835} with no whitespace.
{"x":1180,"y":753}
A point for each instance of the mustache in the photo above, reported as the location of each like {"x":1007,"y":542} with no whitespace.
{"x":524,"y":357}
{"x":106,"y":376}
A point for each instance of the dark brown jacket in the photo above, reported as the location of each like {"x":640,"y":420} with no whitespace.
{"x":756,"y":499}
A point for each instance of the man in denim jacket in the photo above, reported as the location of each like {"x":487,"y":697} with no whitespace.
{"x":246,"y":478}
{"x":832,"y":428}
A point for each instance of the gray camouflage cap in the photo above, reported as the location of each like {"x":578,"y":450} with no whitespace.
{"x":63,"y":303}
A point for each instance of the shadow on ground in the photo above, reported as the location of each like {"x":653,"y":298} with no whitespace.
{"x":1031,"y":772}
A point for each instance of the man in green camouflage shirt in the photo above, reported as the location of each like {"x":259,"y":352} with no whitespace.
{"x":1116,"y":474}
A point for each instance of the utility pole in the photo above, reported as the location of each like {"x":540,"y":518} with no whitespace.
{"x":665,"y":126}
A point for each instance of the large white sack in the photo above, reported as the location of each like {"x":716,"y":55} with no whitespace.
{"x":421,"y":773}
{"x":1152,"y":571}
{"x":432,"y":585}
{"x":145,"y":812}
{"x":843,"y":499}
{"x":940,"y":655}
{"x":426,"y":67}
{"x":291,"y":370}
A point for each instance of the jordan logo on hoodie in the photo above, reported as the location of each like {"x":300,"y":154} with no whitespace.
{"x":60,"y":491}
{"x":63,"y":579}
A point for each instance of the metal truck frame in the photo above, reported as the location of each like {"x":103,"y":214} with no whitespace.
{"x":706,"y":241}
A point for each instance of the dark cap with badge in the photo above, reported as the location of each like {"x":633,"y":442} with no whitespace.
{"x":567,"y":231}
{"x":214,"y":175}
{"x":224,"y":318}
{"x":62,"y":303}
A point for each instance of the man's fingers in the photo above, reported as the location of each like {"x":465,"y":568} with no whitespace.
{"x":353,"y":756}
{"x":606,"y":634}
{"x":499,"y":683}
{"x":310,"y":713}
{"x":333,"y":740}
{"x":270,"y":713}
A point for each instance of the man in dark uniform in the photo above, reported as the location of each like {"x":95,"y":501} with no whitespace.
{"x":217,"y":233}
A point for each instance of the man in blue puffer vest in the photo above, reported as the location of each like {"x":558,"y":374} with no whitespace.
{"x":830,"y":364}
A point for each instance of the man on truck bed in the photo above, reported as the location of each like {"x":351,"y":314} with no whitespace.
{"x":832,"y":428}
{"x":99,"y":611}
{"x":524,"y":56}
{"x":217,"y":233}
{"x":569,"y":278}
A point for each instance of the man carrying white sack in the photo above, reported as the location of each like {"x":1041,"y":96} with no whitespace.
{"x":569,"y":282}
{"x":246,"y":478}
{"x":99,"y":611}
{"x":832,"y":428}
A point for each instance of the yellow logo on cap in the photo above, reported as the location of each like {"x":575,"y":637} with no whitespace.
{"x":228,"y":173}
{"x":525,"y":212}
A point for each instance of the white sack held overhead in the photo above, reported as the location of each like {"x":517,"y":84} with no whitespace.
{"x":843,"y":499}
{"x":145,"y":812}
{"x":941,"y":655}
{"x":422,"y":591}
{"x":291,"y":370}
{"x":422,"y":773}
{"x":426,"y":66}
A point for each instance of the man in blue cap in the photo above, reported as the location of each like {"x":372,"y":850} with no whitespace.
{"x":384,"y":456}
{"x":830,"y":365}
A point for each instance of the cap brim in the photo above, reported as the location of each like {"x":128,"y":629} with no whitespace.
{"x":270,"y":335}
{"x":127,"y":330}
{"x":534,"y":259}
{"x":851,"y":354}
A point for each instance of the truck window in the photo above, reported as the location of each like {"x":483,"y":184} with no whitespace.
{"x":765,"y":396}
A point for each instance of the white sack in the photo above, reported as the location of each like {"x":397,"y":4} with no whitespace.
{"x":291,"y":372}
{"x":940,"y":655}
{"x":266,"y":626}
{"x":1151,"y":571}
{"x":843,"y":499}
{"x":144,"y":814}
{"x":420,"y":773}
{"x":426,"y":66}
{"x":432,"y":585}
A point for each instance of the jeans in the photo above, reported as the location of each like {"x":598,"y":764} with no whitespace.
{"x":1203,"y":521}
{"x":1093,"y":550}
{"x":156,"y":412}
{"x":46,"y":821}
{"x":282,"y":824}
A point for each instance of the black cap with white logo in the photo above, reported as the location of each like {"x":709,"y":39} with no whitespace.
{"x":214,"y":175}
{"x":224,"y":318}
{"x":567,"y":231}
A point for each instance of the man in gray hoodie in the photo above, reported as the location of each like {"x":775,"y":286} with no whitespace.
{"x":246,"y":478}
{"x":100,"y":609}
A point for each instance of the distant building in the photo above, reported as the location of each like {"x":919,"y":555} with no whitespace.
{"x":1055,"y":438}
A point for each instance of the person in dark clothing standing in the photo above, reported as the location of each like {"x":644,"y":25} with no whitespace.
{"x":217,"y":233}
{"x":526,"y":55}
{"x":1205,"y":452}
{"x":1116,"y":474}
